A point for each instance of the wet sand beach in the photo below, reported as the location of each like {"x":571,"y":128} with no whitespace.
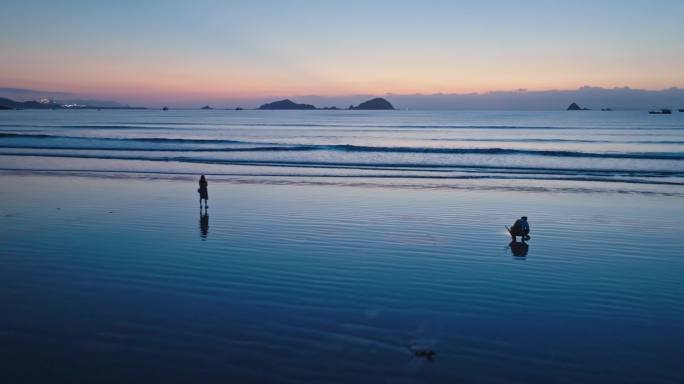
{"x":123,"y":278}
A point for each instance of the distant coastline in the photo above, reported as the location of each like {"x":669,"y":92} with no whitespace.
{"x":593,"y":98}
{"x":6,"y":104}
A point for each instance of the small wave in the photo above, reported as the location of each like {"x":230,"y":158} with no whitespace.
{"x":224,"y":141}
{"x":27,"y":135}
{"x":556,"y":140}
{"x":125,"y":139}
{"x":352,"y":126}
{"x":373,"y":149}
{"x":86,"y":126}
{"x":508,"y":151}
{"x":425,"y":167}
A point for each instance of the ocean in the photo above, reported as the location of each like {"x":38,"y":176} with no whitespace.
{"x":623,"y":151}
{"x":338,"y":244}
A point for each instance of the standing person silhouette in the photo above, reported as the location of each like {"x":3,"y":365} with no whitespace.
{"x":203,"y":192}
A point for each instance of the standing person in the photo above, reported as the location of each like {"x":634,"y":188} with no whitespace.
{"x":203,"y":192}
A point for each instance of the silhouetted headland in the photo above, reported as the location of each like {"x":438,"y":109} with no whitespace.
{"x":376,"y":103}
{"x":286,"y":104}
{"x":47,"y":103}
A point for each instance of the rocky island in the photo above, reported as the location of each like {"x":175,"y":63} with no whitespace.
{"x":575,"y":107}
{"x":377,"y":103}
{"x":286,"y":104}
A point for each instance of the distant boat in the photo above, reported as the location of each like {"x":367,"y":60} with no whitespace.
{"x":165,"y":109}
{"x":663,"y":111}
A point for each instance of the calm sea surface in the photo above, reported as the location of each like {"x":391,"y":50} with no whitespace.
{"x":590,"y":150}
{"x":337,"y":243}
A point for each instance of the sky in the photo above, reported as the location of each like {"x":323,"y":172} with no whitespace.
{"x":185,"y":51}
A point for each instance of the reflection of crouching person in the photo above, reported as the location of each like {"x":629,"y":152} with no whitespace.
{"x":520,"y":228}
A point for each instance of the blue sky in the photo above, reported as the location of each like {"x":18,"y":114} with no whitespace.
{"x":205,"y":49}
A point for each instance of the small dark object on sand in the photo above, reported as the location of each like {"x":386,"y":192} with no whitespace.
{"x":428,"y":354}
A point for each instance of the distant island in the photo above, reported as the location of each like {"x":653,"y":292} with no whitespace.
{"x":575,"y":107}
{"x":206,"y":107}
{"x":286,"y":104}
{"x":378,"y":104}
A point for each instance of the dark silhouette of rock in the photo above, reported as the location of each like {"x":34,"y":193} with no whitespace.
{"x":286,"y":104}
{"x":238,"y":109}
{"x":574,"y":107}
{"x":2,"y":107}
{"x":377,"y":103}
{"x":165,"y":109}
{"x":206,"y":107}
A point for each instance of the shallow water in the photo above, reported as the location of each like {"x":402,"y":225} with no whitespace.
{"x":117,"y":279}
{"x":619,"y":151}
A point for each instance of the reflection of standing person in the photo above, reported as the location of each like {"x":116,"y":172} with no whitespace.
{"x":203,"y":192}
{"x":204,"y":225}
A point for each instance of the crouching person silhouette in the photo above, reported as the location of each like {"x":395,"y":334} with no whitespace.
{"x":520,"y":228}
